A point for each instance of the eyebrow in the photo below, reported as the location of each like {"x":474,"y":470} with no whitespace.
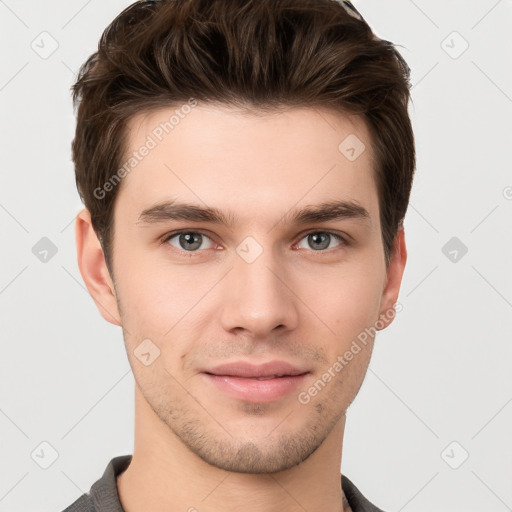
{"x":326,"y":211}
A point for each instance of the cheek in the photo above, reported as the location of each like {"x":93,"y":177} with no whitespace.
{"x":346,"y":300}
{"x":141,"y":285}
{"x":158,"y":301}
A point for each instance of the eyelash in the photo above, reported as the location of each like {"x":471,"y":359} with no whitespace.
{"x":343,"y":241}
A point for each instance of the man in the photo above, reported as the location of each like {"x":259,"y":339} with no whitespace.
{"x":246,"y":168}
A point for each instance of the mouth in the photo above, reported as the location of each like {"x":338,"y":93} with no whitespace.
{"x":256,"y":383}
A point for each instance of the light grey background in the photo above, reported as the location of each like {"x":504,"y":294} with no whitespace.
{"x":440,"y":374}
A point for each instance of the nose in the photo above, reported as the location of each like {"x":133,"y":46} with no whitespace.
{"x":259,"y":298}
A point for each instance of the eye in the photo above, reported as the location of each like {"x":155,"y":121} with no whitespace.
{"x":321,"y":240}
{"x":195,"y":241}
{"x":188,"y":241}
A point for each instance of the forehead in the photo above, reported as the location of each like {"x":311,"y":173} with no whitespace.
{"x":256,"y":164}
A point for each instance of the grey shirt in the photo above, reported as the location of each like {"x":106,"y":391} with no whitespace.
{"x":103,"y":496}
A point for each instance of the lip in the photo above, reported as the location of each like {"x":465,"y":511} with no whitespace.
{"x":251,"y":371}
{"x":265,"y":382}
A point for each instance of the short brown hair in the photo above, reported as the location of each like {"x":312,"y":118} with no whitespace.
{"x":256,"y":54}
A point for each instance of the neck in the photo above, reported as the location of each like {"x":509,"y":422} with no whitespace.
{"x":164,"y":475}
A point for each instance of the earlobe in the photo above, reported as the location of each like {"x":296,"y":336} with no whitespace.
{"x":93,"y":267}
{"x":394,"y":273}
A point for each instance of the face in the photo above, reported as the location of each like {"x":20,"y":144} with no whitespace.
{"x":248,"y":259}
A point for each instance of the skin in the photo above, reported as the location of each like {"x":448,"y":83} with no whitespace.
{"x":196,"y":446}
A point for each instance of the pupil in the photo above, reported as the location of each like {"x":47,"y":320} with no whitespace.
{"x":316,"y":238}
{"x":188,"y":238}
{"x":194,"y":239}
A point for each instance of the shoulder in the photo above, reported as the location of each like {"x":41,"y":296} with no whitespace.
{"x":355,"y":498}
{"x":103,"y":496}
{"x":82,"y":504}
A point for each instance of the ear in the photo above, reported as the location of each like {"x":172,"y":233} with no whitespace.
{"x":394,"y":275}
{"x":93,"y":268}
